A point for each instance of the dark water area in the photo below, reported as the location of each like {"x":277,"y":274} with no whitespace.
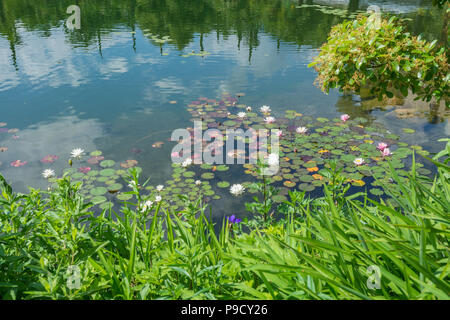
{"x":123,"y":82}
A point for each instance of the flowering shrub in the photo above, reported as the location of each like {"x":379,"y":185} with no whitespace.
{"x":379,"y":54}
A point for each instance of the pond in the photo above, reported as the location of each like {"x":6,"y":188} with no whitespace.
{"x":137,"y":70}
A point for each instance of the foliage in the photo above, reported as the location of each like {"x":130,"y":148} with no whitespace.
{"x":52,"y":246}
{"x":378,"y":53}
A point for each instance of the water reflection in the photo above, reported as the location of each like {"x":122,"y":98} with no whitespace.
{"x":46,"y":138}
{"x":127,"y":91}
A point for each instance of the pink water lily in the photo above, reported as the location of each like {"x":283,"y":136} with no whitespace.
{"x":49,"y":158}
{"x":386,"y":152}
{"x":279,"y":133}
{"x":84,"y":169}
{"x":381,"y":146}
{"x":345,"y":117}
{"x":269,"y":120}
{"x":18,"y":163}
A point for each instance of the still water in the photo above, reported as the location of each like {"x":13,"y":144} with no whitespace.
{"x":118,"y":86}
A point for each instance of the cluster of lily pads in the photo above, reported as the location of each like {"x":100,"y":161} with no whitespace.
{"x":13,"y":131}
{"x":306,"y":144}
{"x":363,"y":150}
{"x":193,"y":53}
{"x":156,"y":38}
{"x":333,"y":11}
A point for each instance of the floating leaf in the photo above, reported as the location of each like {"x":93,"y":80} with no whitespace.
{"x":49,"y":158}
{"x":99,"y":191}
{"x":107,"y":163}
{"x":95,"y":153}
{"x":98,"y":199}
{"x":129,"y":164}
{"x":223,"y":184}
{"x":107,"y":172}
{"x":95,"y":159}
{"x":207,"y":175}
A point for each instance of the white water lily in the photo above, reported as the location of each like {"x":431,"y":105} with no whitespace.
{"x":158,"y":198}
{"x":159,"y":187}
{"x":186,"y":163}
{"x":77,"y":153}
{"x":48,"y":173}
{"x":237,"y":189}
{"x":241,"y":115}
{"x":265,"y":109}
{"x":198,"y":182}
{"x":269,"y":120}
{"x":147,"y":205}
{"x":273,"y":159}
{"x":301,"y":130}
{"x":359,"y":161}
{"x":249,"y":108}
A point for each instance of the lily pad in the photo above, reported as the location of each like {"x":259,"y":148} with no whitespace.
{"x":99,"y":191}
{"x":107,"y":172}
{"x":223,"y":184}
{"x":107,"y":163}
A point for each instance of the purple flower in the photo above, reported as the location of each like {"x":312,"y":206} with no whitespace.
{"x":233,"y":219}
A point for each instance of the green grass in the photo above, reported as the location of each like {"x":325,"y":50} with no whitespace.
{"x":52,"y":246}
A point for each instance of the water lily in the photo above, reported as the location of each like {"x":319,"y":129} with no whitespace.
{"x":273,"y":159}
{"x":77,"y":153}
{"x":18,"y":163}
{"x":301,"y":130}
{"x":241,"y":115}
{"x":186,"y":163}
{"x":48,"y":173}
{"x":84,"y":169}
{"x":279,"y":133}
{"x":249,"y":109}
{"x":159,"y":187}
{"x":198,"y":182}
{"x":386,"y":152}
{"x":269,"y":120}
{"x":381,"y":146}
{"x":359,"y":161}
{"x":147,"y":205}
{"x":233,"y":220}
{"x":265,"y":109}
{"x":237,"y":189}
{"x":345,"y":117}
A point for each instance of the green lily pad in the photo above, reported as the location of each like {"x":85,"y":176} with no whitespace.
{"x":306,"y":187}
{"x":98,"y":199}
{"x":107,"y":163}
{"x":124,"y":196}
{"x":96,"y":153}
{"x":99,"y":191}
{"x":223,"y":184}
{"x":207,"y":175}
{"x":115,"y":187}
{"x":107,"y":172}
